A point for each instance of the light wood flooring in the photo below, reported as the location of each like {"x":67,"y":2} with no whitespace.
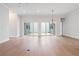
{"x":40,"y":46}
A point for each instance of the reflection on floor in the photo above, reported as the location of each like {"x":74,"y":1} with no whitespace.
{"x":35,"y":34}
{"x":40,"y":46}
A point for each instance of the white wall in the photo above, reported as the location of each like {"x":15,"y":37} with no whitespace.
{"x":14,"y":26}
{"x":71,"y":24}
{"x":4,"y":23}
{"x":40,"y":18}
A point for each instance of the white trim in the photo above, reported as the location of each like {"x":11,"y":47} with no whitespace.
{"x":76,"y":37}
{"x":3,"y":41}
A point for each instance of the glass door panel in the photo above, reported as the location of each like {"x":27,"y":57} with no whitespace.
{"x":47,"y":27}
{"x":42,"y":28}
{"x":31,"y":28}
{"x":26,"y":28}
{"x":35,"y":28}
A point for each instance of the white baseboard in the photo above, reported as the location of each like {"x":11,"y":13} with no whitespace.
{"x":15,"y":36}
{"x":72,"y":36}
{"x":3,"y":41}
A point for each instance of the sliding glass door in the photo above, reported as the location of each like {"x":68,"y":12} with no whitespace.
{"x":34,"y":28}
{"x":45,"y":28}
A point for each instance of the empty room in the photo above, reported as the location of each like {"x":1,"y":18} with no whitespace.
{"x":39,"y":29}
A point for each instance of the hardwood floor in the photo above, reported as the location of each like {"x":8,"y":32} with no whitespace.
{"x":40,"y":46}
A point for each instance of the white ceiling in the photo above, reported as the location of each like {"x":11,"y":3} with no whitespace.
{"x":43,"y":8}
